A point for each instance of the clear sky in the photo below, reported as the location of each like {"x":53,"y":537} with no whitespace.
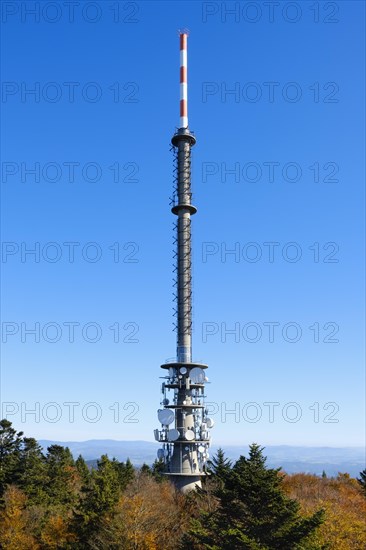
{"x":276,"y":101}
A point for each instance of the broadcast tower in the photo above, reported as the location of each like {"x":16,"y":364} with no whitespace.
{"x":185,"y":425}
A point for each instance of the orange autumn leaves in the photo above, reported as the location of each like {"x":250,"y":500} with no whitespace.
{"x":344,"y":527}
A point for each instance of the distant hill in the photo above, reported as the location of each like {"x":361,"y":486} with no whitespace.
{"x":311,"y":460}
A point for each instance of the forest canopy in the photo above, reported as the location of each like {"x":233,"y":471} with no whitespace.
{"x":50,"y":500}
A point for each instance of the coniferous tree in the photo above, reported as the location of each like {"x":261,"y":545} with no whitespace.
{"x":82,"y":469}
{"x":145,"y":469}
{"x":158,"y":468}
{"x":362,"y":481}
{"x":125,"y":472}
{"x":99,"y":497}
{"x":10,"y":446}
{"x":219,"y":466}
{"x":61,"y":475}
{"x":33,"y":471}
{"x":253,"y":513}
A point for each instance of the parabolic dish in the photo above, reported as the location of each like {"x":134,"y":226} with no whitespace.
{"x":183,"y":370}
{"x":166,"y":416}
{"x":161,"y":453}
{"x":173,"y":435}
{"x":210,"y":423}
{"x":197,"y":375}
{"x":201,"y":449}
{"x":189,"y":435}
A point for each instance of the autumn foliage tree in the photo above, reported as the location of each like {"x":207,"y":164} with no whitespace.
{"x":15,"y":522}
{"x":150,"y":515}
{"x":344,"y":527}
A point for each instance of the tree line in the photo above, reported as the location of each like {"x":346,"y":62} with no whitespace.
{"x":49,"y":500}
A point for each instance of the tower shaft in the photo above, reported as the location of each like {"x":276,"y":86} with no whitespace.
{"x":184,"y":260}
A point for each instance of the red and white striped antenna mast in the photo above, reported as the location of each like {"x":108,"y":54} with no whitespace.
{"x":183,"y":39}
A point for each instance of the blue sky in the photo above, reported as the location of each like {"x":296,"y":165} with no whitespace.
{"x":96,"y":131}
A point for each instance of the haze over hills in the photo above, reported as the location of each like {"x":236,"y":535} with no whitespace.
{"x":292,"y":459}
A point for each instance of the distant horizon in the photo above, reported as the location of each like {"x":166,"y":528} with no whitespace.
{"x":291,"y":458}
{"x":213,"y":443}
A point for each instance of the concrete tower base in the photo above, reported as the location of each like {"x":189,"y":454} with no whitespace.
{"x":185,"y":483}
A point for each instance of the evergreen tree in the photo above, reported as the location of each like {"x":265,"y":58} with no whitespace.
{"x":254,"y":513}
{"x":82,"y":469}
{"x":219,"y":466}
{"x":105,"y":485}
{"x":61,"y":475}
{"x":32,"y":471}
{"x":362,"y":481}
{"x":157,"y":469}
{"x":145,"y":469}
{"x":10,"y":445}
{"x":99,"y":498}
{"x":125,"y":472}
